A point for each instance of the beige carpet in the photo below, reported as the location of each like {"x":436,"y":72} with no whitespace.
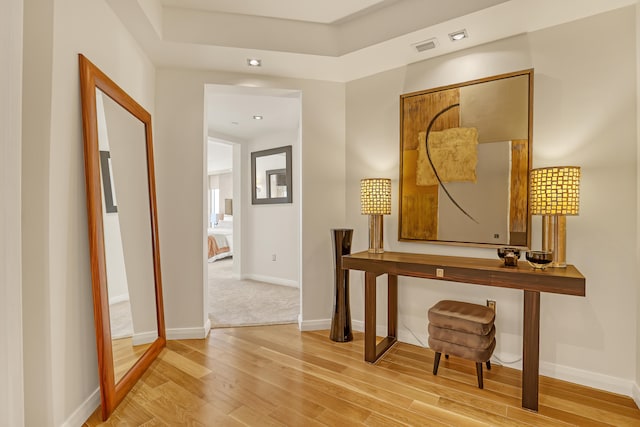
{"x":247,"y":302}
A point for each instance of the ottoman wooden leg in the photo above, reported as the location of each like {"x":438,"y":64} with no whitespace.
{"x":436,"y":362}
{"x":479,"y":372}
{"x":488,"y":365}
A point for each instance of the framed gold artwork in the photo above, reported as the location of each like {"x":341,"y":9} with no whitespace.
{"x":465,"y":157}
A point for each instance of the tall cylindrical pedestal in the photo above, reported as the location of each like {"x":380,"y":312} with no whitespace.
{"x":341,"y":319}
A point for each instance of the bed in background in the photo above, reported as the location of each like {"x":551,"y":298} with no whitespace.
{"x":220,"y":241}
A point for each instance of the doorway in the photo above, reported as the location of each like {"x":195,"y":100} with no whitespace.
{"x":258,"y":283}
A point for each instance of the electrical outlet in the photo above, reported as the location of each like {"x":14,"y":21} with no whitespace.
{"x":491,"y":304}
{"x":439,"y":272}
{"x":273,"y":257}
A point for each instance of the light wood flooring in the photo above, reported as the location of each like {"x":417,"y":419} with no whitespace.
{"x":125,"y":354}
{"x":276,"y":375}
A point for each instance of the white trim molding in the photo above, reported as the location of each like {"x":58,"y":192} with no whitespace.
{"x":587,"y":378}
{"x":314,"y":325}
{"x":118,"y":299}
{"x":189,"y":333}
{"x":144,"y":337}
{"x":84,"y":411}
{"x":272,"y":280}
{"x":553,"y":370}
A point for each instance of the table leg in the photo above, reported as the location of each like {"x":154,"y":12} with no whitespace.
{"x":373,"y":351}
{"x":392,"y":306}
{"x":369,"y":316}
{"x":531,"y":350}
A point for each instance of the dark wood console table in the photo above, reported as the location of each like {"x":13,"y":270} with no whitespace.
{"x":476,"y":271}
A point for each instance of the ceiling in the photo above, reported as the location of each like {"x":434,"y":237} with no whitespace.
{"x":230,"y":112}
{"x":334,"y":40}
{"x":322,"y":12}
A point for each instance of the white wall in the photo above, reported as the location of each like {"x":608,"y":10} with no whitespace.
{"x":11,"y":377}
{"x":273,"y":229}
{"x":61,"y":377}
{"x":181,"y":171}
{"x":117,"y":285}
{"x":584,"y":114}
{"x":226,"y":188}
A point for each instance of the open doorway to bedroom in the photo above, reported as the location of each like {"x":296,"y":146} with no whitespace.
{"x":253,"y":250}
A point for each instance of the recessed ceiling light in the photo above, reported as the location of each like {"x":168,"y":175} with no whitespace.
{"x":257,"y":117}
{"x":253,"y":62}
{"x":458,"y":35}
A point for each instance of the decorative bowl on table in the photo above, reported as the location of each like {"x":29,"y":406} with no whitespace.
{"x":509,"y":256}
{"x":539,"y":259}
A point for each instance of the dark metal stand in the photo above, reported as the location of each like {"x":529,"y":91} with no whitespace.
{"x":341,"y":320}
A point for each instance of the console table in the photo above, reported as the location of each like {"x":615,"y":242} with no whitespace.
{"x":475,"y":271}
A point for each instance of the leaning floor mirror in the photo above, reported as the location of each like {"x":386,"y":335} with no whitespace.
{"x":123,"y":234}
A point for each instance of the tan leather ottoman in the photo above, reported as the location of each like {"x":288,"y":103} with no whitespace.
{"x":463,"y":330}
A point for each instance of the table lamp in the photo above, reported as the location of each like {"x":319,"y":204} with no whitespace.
{"x":554,"y":194}
{"x":375,"y":201}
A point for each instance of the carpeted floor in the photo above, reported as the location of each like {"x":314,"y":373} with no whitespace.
{"x":247,"y":302}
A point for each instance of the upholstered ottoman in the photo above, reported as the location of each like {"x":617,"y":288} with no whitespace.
{"x":463,"y":330}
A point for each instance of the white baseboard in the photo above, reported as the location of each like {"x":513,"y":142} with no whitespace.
{"x":118,"y":298}
{"x":272,"y":280}
{"x":84,"y":411}
{"x":189,"y":333}
{"x":561,"y":372}
{"x":358,"y":325}
{"x":87,"y":407}
{"x":144,"y":338}
{"x":587,"y":378}
{"x":314,"y":325}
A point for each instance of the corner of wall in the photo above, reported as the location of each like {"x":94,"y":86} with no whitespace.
{"x":84,"y":411}
{"x":11,"y":324}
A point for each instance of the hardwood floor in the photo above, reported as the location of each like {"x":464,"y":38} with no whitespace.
{"x":276,"y":375}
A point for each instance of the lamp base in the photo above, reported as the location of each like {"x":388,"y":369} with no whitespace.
{"x":554,"y":238}
{"x":375,"y":234}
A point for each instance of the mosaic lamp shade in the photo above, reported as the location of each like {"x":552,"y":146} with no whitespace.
{"x":554,"y":194}
{"x":375,"y":196}
{"x":555,"y":191}
{"x":375,"y":201}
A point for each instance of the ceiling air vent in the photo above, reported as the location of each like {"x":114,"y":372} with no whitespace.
{"x":426,"y":45}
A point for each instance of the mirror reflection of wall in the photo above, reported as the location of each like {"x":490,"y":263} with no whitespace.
{"x":266,"y":167}
{"x":220,"y":197}
{"x":127,"y":234}
{"x":276,"y":183}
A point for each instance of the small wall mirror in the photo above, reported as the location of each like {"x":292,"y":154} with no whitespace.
{"x":271,"y":176}
{"x":123,"y":234}
{"x":465,"y":157}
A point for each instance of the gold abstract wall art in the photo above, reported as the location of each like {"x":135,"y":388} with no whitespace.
{"x":480,"y":147}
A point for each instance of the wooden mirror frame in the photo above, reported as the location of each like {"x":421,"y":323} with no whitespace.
{"x":441,"y":107}
{"x":112,"y":393}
